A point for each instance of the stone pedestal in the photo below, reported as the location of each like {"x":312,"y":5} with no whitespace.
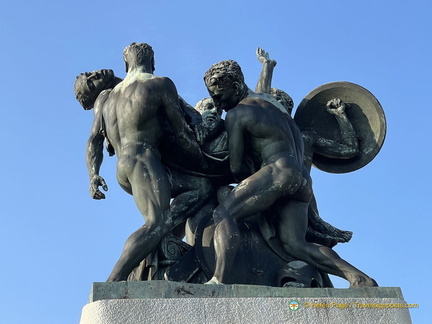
{"x":174,"y":302}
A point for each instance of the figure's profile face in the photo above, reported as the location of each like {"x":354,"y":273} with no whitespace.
{"x":90,"y":84}
{"x":99,"y":80}
{"x":225,"y":93}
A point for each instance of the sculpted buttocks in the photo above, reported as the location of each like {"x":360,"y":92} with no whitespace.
{"x":131,"y":119}
{"x":157,"y":138}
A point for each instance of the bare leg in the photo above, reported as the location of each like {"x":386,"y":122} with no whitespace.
{"x":253,"y":195}
{"x":292,"y":228}
{"x":137,"y":247}
{"x":151,"y":191}
{"x":189,"y":195}
{"x":193,"y":222}
{"x":226,"y":243}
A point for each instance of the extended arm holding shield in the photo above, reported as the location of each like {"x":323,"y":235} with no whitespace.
{"x":341,"y":140}
{"x":348,"y":146}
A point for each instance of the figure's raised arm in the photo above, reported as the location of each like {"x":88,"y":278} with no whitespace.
{"x":348,"y":147}
{"x":268,"y":65}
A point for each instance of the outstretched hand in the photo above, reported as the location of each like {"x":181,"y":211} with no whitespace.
{"x":264,"y":57}
{"x":96,"y":182}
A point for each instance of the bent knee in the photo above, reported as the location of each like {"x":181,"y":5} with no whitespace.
{"x":304,"y":191}
{"x":291,"y":180}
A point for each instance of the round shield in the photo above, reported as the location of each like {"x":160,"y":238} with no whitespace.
{"x":362,"y":109}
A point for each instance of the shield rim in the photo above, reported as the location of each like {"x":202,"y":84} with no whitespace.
{"x":338,"y":165}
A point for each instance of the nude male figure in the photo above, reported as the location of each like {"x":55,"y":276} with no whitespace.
{"x":132,"y":120}
{"x":347,"y":148}
{"x":314,"y":144}
{"x":273,"y":140}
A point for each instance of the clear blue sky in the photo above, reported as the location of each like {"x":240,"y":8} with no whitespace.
{"x":55,"y":240}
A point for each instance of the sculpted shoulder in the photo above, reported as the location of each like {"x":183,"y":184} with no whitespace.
{"x":102,"y":97}
{"x":100,"y":100}
{"x":144,"y":81}
{"x":164,"y":83}
{"x":234,"y":113}
{"x":251,"y":107}
{"x":267,"y":99}
{"x":132,"y":80}
{"x":239,"y":116}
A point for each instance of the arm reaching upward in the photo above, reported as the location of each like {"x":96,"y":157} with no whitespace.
{"x":268,"y":65}
{"x":349,"y":144}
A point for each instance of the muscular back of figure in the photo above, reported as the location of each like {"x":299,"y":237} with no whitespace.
{"x":131,"y":114}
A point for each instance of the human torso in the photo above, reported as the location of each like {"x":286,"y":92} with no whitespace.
{"x":130,"y":114}
{"x":270,"y":133}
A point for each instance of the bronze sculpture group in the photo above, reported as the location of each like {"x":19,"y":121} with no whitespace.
{"x":226,"y":200}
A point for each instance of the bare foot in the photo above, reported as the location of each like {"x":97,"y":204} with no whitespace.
{"x":213,"y":281}
{"x":362,"y":281}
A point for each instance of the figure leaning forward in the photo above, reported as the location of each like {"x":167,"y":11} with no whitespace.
{"x":132,"y":118}
{"x":270,"y":138}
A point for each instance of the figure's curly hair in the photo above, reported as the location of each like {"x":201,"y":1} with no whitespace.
{"x":141,"y":53}
{"x":284,"y":98}
{"x":83,"y":94}
{"x":227,"y":71}
{"x":202,"y":103}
